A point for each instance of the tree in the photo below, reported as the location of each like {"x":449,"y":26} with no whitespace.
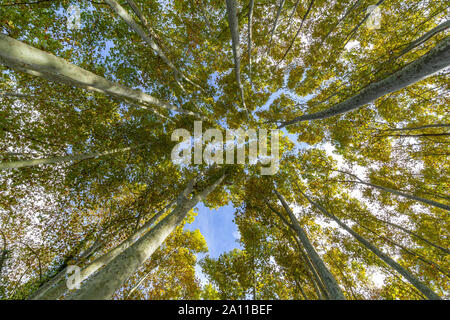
{"x":87,"y":114}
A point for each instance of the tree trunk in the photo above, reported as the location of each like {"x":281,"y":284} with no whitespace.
{"x":355,"y":29}
{"x":435,"y":60}
{"x":316,"y":280}
{"x":121,"y":12}
{"x":234,"y":29}
{"x":35,"y":162}
{"x":58,"y":287}
{"x":20,"y":56}
{"x":275,"y":24}
{"x":430,"y":294}
{"x":405,"y":195}
{"x":328,"y":279}
{"x":441,"y":27}
{"x":104,"y":283}
{"x":298,"y":31}
{"x":414,"y":235}
{"x":357,"y":3}
{"x":249,"y":27}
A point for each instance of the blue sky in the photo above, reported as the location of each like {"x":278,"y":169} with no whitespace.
{"x":218,"y":228}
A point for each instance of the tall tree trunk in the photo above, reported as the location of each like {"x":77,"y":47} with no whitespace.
{"x":58,"y":287}
{"x":235,"y":42}
{"x":328,"y":279}
{"x":441,"y":27}
{"x":76,"y":157}
{"x":104,"y":283}
{"x":20,"y":56}
{"x":249,"y":27}
{"x":355,"y":29}
{"x":3,"y":254}
{"x":297,"y":33}
{"x":437,"y":125}
{"x":403,"y":194}
{"x":299,"y":288}
{"x":143,"y":20}
{"x":430,"y":294}
{"x":275,"y":24}
{"x":292,"y":14}
{"x":314,"y":276}
{"x":121,"y":12}
{"x":435,"y":60}
{"x":357,"y":3}
{"x":445,"y":250}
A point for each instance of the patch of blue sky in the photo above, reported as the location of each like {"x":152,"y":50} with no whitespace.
{"x":220,"y":232}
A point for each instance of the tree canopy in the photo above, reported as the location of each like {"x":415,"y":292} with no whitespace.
{"x":358,"y":208}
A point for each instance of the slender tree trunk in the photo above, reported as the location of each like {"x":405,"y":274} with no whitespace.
{"x":314,"y":276}
{"x":234,"y":29}
{"x":292,"y":13}
{"x":104,"y":283}
{"x":249,"y":27}
{"x":76,"y":157}
{"x":275,"y":24}
{"x":298,"y":31}
{"x":405,"y":195}
{"x":437,"y":125}
{"x":3,"y":253}
{"x":121,"y":12}
{"x":299,"y":288}
{"x":415,"y":135}
{"x":140,"y":282}
{"x":413,"y":253}
{"x":58,"y":287}
{"x":339,"y":21}
{"x":445,"y":250}
{"x":143,"y":20}
{"x":441,"y":27}
{"x":328,"y":279}
{"x":20,"y":56}
{"x":430,"y":294}
{"x":355,"y":29}
{"x":435,"y":60}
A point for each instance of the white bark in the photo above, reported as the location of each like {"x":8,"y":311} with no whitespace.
{"x":315,"y":278}
{"x":327,"y":277}
{"x":51,"y":289}
{"x":249,"y":27}
{"x":434,"y":61}
{"x":104,"y":283}
{"x":235,"y":42}
{"x":405,"y":195}
{"x":430,"y":294}
{"x":121,"y":12}
{"x":58,"y":286}
{"x":441,"y":27}
{"x":35,"y":162}
{"x":20,"y":56}
{"x":414,"y":235}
